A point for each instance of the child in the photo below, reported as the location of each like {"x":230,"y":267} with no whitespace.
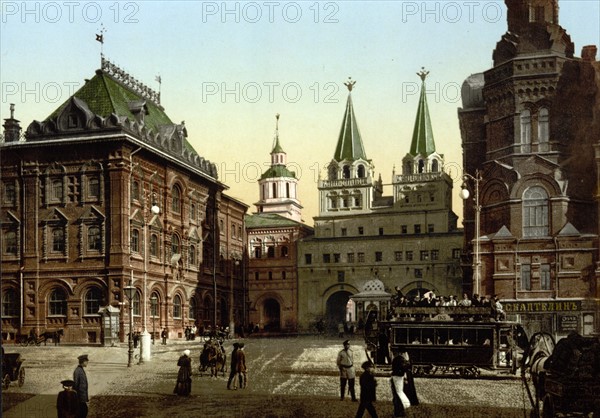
{"x":368,"y":386}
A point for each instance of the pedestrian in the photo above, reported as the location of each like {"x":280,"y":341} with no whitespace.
{"x":164,"y":334}
{"x":136,"y":339}
{"x":340,"y":330}
{"x":400,"y":367}
{"x":368,"y":389}
{"x":345,"y":363}
{"x":80,"y":384}
{"x":67,"y":403}
{"x":241,"y":366}
{"x":183,"y":387}
{"x":233,"y":367}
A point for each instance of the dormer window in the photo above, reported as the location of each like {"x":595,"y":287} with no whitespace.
{"x":72,"y":121}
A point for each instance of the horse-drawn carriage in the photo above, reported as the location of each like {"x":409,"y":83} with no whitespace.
{"x":12,"y":369}
{"x":565,"y":376}
{"x":213,"y":358}
{"x":33,"y":339}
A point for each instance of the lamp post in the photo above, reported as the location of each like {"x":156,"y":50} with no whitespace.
{"x":464,"y":194}
{"x":130,"y":293}
{"x":145,"y":337}
{"x":153,"y":301}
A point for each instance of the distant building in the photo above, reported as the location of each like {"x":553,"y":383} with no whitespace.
{"x":273,"y":233}
{"x":107,"y":192}
{"x":408,"y":240}
{"x":530,"y":127}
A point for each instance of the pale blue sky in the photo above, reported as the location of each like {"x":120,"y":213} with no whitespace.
{"x":300,"y":52}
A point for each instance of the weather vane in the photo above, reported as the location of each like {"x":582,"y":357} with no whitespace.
{"x":100,"y":38}
{"x":350,"y":84}
{"x":423,"y":74}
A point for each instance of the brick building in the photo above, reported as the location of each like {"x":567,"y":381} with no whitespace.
{"x":107,"y":192}
{"x":530,"y":128}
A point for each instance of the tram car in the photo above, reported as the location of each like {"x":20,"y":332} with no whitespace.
{"x":456,"y":340}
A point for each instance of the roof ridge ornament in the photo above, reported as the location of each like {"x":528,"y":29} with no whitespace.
{"x":423,"y":74}
{"x":350,"y":84}
{"x":129,"y":81}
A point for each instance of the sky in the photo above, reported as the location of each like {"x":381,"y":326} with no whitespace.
{"x":227,"y":68}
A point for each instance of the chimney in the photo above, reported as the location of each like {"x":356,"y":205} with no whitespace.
{"x":12,"y":129}
{"x":588,"y":53}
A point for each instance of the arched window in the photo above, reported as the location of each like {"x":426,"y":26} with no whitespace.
{"x":135,"y":190}
{"x":154,"y":245}
{"x":543,"y":129}
{"x":270,"y":252}
{"x":10,"y":243}
{"x":284,"y":251}
{"x":177,"y":307}
{"x":346,"y":172}
{"x":526,"y":131}
{"x":333,"y":202}
{"x":535,"y":212}
{"x":10,"y":193}
{"x":193,"y":212}
{"x":287,"y":189}
{"x":421,"y":166}
{"x":192,"y":309}
{"x":57,"y":302}
{"x":435,"y":166}
{"x":176,"y":199}
{"x":57,"y":190}
{"x":274,"y":188}
{"x":360,"y":171}
{"x":407,"y":168}
{"x":257,"y":252}
{"x":94,"y":240}
{"x":10,"y":303}
{"x":192,"y":257}
{"x":58,"y":240}
{"x":93,"y":297}
{"x":332,"y":172}
{"x":174,"y":244}
{"x":136,"y":303}
{"x":135,"y":241}
{"x":357,"y":201}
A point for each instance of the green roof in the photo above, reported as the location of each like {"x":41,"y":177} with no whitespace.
{"x":277,"y":147}
{"x":349,"y":145}
{"x":422,"y":140}
{"x":277,"y":171}
{"x":104,"y":96}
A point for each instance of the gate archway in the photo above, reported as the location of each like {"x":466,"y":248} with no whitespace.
{"x":335,"y":309}
{"x":272,"y":315}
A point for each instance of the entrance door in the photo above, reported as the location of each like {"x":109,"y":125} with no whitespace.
{"x":335,"y":310}
{"x":272,"y":315}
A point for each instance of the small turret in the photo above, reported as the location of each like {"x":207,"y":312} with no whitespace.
{"x":12,"y":129}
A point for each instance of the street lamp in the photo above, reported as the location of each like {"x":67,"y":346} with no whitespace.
{"x":145,"y":337}
{"x":130,"y":293}
{"x":153,"y":300}
{"x":464,"y":194}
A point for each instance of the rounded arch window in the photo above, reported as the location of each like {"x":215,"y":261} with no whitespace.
{"x":346,"y":171}
{"x":421,"y":166}
{"x":10,"y":303}
{"x":435,"y":166}
{"x":360,"y":171}
{"x":57,"y":302}
{"x":176,"y":199}
{"x":332,"y":172}
{"x":177,"y":306}
{"x":535,"y":212}
{"x":136,"y":303}
{"x":192,"y":309}
{"x":93,"y":298}
{"x":154,"y":302}
{"x":175,"y":244}
{"x":284,"y":251}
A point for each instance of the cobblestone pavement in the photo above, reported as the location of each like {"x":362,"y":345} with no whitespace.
{"x":286,"y":377}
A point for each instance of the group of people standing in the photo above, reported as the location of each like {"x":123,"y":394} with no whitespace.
{"x":72,"y":402}
{"x":401,"y":382}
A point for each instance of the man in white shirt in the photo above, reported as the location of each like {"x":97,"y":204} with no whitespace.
{"x":345,"y":362}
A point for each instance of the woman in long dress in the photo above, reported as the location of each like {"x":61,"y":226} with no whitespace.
{"x":184,"y":376}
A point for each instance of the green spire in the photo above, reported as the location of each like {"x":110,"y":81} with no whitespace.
{"x":276,"y":146}
{"x":422,"y":140}
{"x":349,"y":145}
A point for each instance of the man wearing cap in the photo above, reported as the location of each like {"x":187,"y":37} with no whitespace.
{"x":67,"y":403}
{"x":368,"y":391}
{"x":345,"y":362}
{"x":80,"y":384}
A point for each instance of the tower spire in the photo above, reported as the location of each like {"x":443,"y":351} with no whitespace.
{"x":276,"y":146}
{"x":422,"y":141}
{"x":349,"y":145}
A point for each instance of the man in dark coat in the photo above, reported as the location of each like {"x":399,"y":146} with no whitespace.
{"x":233,"y":368}
{"x":67,"y":403}
{"x":368,"y":391}
{"x":80,"y":384}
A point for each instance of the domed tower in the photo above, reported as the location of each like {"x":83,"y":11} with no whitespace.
{"x":349,"y":185}
{"x":278,"y":186}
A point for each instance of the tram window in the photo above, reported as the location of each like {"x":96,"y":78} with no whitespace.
{"x":455,"y":336}
{"x":484,"y":337}
{"x":414,"y":336}
{"x":441,"y":336}
{"x":428,"y":336}
{"x":401,"y":336}
{"x":468,"y":336}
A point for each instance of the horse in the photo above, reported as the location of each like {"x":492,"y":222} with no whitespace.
{"x":54,"y":335}
{"x":213,"y":356}
{"x":538,"y":351}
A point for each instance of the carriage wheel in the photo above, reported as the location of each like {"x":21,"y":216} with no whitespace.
{"x":21,"y":376}
{"x":548,"y":407}
{"x":6,"y":381}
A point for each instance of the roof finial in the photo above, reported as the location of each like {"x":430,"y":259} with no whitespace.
{"x":350,"y":84}
{"x":12,"y":110}
{"x":423,"y":74}
{"x":100,"y":38}
{"x":277,"y":122}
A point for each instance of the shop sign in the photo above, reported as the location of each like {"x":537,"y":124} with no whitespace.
{"x":542,"y":306}
{"x":568,"y":323}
